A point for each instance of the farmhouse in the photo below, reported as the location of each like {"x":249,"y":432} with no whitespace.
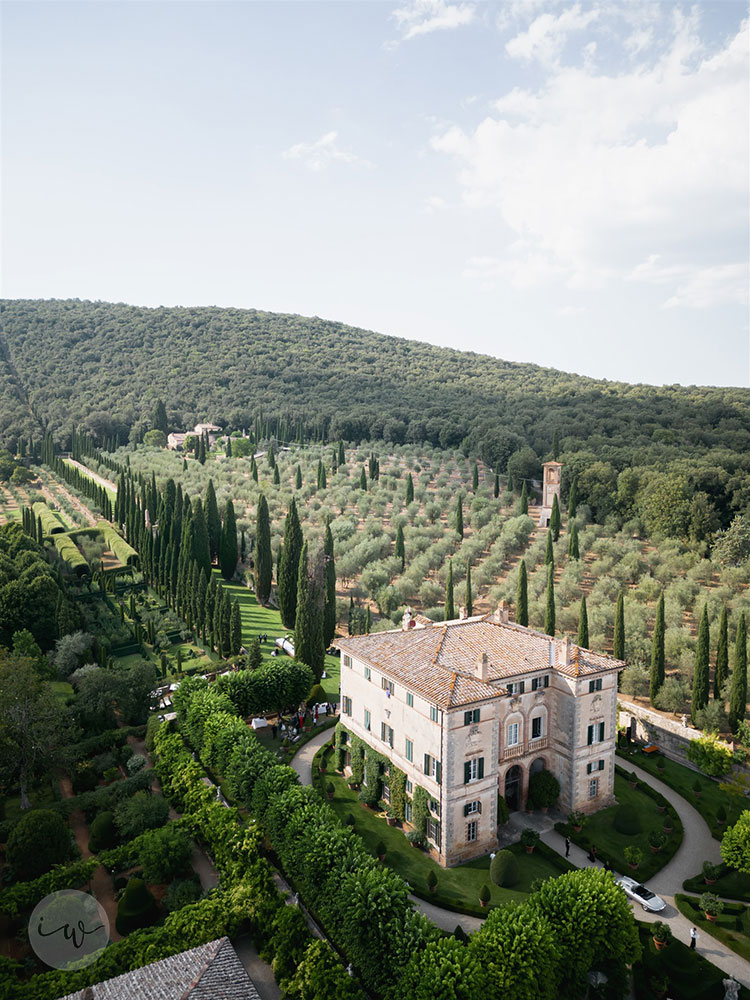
{"x":470,"y":709}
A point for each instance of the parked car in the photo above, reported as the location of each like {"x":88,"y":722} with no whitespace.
{"x":648,"y":900}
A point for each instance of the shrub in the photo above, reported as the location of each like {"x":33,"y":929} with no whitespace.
{"x":151,"y":727}
{"x":432,"y":880}
{"x":143,"y":812}
{"x":577,"y":818}
{"x":627,"y":821}
{"x":136,"y":763}
{"x":380,"y":849}
{"x":529,"y":837}
{"x":710,"y":755}
{"x":711,"y":904}
{"x":104,"y":762}
{"x":137,"y":907}
{"x":84,"y":777}
{"x":721,"y":815}
{"x":657,"y":840}
{"x":544,"y":789}
{"x":39,"y":840}
{"x":103,"y":832}
{"x":164,"y":853}
{"x":126,"y":752}
{"x":504,"y":869}
{"x":484,"y":894}
{"x":180,"y":893}
{"x":662,"y":932}
{"x":633,"y":855}
{"x":317,"y":695}
{"x":711,"y":871}
{"x":503,"y":813}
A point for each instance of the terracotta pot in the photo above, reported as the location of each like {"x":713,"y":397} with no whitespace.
{"x":711,"y":917}
{"x":323,"y":770}
{"x":391,"y":820}
{"x":662,"y":809}
{"x":381,"y":857}
{"x":654,"y":850}
{"x":433,"y":889}
{"x":330,"y":796}
{"x":709,"y":881}
{"x":667,"y":829}
{"x":529,"y":850}
{"x":630,"y":865}
{"x":577,"y":829}
{"x":415,"y":844}
{"x":483,"y":904}
{"x":659,"y":945}
{"x":633,"y":784}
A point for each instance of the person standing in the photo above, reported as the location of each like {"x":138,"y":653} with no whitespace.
{"x":693,"y":938}
{"x":567,"y":847}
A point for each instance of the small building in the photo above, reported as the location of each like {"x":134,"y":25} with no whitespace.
{"x":551,"y":483}
{"x":176,"y":441}
{"x":471,"y":709}
{"x":206,"y":429}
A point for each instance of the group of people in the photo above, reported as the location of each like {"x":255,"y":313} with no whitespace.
{"x":298,"y":721}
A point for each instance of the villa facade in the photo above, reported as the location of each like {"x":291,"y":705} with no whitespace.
{"x":470,"y":709}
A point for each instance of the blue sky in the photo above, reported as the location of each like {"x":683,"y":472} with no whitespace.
{"x":559,"y":183}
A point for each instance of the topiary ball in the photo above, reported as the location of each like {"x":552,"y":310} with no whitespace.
{"x":627,"y":821}
{"x":504,"y":869}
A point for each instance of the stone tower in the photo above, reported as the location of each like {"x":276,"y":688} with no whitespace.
{"x":550,"y":487}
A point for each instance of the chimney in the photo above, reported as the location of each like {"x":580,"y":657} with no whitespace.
{"x":482,"y":667}
{"x":462,"y":613}
{"x":406,"y":620}
{"x":501,"y":615}
{"x":562,"y":648}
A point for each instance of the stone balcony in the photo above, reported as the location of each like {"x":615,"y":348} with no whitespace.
{"x":522,"y":749}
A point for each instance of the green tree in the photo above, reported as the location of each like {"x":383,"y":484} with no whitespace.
{"x":263,"y":554}
{"x":298,"y":479}
{"x":619,"y":637}
{"x":517,"y":955}
{"x":329,"y":606}
{"x":738,"y":687}
{"x":522,"y":599}
{"x":235,"y":627}
{"x":228,"y":547}
{"x":554,"y":521}
{"x":469,"y":599}
{"x":142,"y":812}
{"x":201,"y":551}
{"x":732,"y":547}
{"x":444,"y":969}
{"x":254,"y":654}
{"x":399,"y":549}
{"x":213,"y":521}
{"x":656,"y":678}
{"x":409,"y":495}
{"x":583,"y":624}
{"x":289,"y":567}
{"x":39,"y":840}
{"x":155,"y":439}
{"x":573,"y":550}
{"x":26,"y":646}
{"x":159,"y":418}
{"x":549,"y":614}
{"x":308,"y":629}
{"x":363,"y":479}
{"x":573,"y":499}
{"x":721,"y":674}
{"x":475,"y":478}
{"x":496,"y":487}
{"x":699,"y":698}
{"x":735,"y":844}
{"x":549,"y":552}
{"x":459,"y":516}
{"x":165,"y":853}
{"x":201,"y":456}
{"x":524,"y":501}
{"x":450,"y":612}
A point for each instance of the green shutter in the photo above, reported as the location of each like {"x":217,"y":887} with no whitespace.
{"x":601,"y":731}
{"x":426,"y":763}
{"x":467,"y":718}
{"x":590,"y":739}
{"x":480,"y":768}
{"x":466,"y":809}
{"x":467,"y":772}
{"x":438,"y":772}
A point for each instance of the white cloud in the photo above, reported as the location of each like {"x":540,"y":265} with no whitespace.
{"x":596,"y":171}
{"x":320,"y":154}
{"x":424,"y":16}
{"x":546,"y":36}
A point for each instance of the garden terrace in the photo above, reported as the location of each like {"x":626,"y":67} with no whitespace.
{"x":51,"y":521}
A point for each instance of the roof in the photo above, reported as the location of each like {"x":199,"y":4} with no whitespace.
{"x":545,"y":464}
{"x":209,"y":972}
{"x":438,"y":660}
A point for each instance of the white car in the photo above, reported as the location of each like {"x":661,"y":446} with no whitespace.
{"x":648,"y":900}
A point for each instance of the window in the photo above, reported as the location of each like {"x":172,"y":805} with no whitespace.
{"x":513,"y":734}
{"x":432,"y":767}
{"x":347,"y":705}
{"x":536,"y":727}
{"x":367,"y":718}
{"x":433,"y":713}
{"x":595,"y":765}
{"x":407,"y":812}
{"x":473,"y":769}
{"x":434,"y":807}
{"x":539,"y":682}
{"x":595,"y":733}
{"x":386,"y":793}
{"x":471,"y":831}
{"x":387,"y":686}
{"x":386,"y":734}
{"x":593,"y":788}
{"x":433,"y":831}
{"x":517,"y":687}
{"x":409,"y":750}
{"x":347,"y":660}
{"x":471,"y":716}
{"x":409,"y":787}
{"x":595,"y":685}
{"x":471,"y":808}
{"x":368,"y":674}
{"x":410,"y":699}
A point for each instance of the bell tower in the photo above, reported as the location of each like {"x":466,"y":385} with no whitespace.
{"x":550,"y":488}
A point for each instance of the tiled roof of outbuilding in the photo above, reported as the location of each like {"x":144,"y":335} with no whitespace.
{"x":438,"y":660}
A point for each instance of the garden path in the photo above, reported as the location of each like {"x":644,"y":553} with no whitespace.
{"x":106,"y":483}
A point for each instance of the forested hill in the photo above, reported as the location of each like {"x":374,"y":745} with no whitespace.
{"x":102,"y":366}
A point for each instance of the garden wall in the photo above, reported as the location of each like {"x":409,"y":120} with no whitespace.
{"x":671,"y":736}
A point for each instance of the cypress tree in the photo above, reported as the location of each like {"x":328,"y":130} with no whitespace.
{"x":699,"y":698}
{"x":228,"y":548}
{"x":549,"y":554}
{"x":202,"y":450}
{"x":159,"y":418}
{"x":213,"y":521}
{"x":254,"y":469}
{"x":210,"y":605}
{"x":475,"y":477}
{"x":363,"y":479}
{"x":298,"y":479}
{"x":738,"y":690}
{"x":583,"y":624}
{"x":235,"y":629}
{"x":554,"y":521}
{"x":329,"y":605}
{"x":459,"y":516}
{"x":289,"y":567}
{"x":722,"y":655}
{"x":496,"y":489}
{"x":524,"y":499}
{"x":334,"y":461}
{"x":469,"y":599}
{"x":573,"y":499}
{"x":226,"y":625}
{"x":201,"y":552}
{"x":243,"y":545}
{"x":450,"y":612}
{"x":322,"y":481}
{"x":200,"y":603}
{"x":399,"y":550}
{"x":216,"y":625}
{"x":254,"y":654}
{"x":229,"y":447}
{"x":308,"y":627}
{"x":351,"y":615}
{"x":618,"y":649}
{"x":368,"y":620}
{"x":263,"y":554}
{"x":657,"y":652}
{"x":409,"y":497}
{"x":549,"y":613}
{"x":342,"y":456}
{"x":510,"y":482}
{"x":276,"y":476}
{"x":573,"y":551}
{"x":522,"y":599}
{"x":184,"y":469}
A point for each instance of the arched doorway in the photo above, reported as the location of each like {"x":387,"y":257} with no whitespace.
{"x":513,"y":788}
{"x":537,"y":766}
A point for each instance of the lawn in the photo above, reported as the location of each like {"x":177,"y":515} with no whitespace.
{"x":610,"y":844}
{"x":682,"y":779}
{"x":42,"y":795}
{"x":730,"y":885}
{"x":689,"y":975}
{"x":458,"y":888}
{"x":61,"y":690}
{"x":730,"y":927}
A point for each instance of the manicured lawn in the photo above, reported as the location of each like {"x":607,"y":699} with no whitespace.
{"x":730,"y":927}
{"x":41,"y":796}
{"x":730,"y":885}
{"x":457,"y":888}
{"x":61,"y":690}
{"x":682,"y":779}
{"x":610,"y":843}
{"x":689,"y":975}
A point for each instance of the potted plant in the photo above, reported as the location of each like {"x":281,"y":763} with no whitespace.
{"x":697,"y":788}
{"x":330,"y":790}
{"x":529,"y":839}
{"x":353,"y":785}
{"x":322,"y":767}
{"x":656,"y":841}
{"x":710,"y":872}
{"x":668,"y":821}
{"x":576,"y":820}
{"x":415,"y":838}
{"x":662,"y":935}
{"x":349,"y":820}
{"x":721,"y":816}
{"x":484,"y":896}
{"x":711,"y":905}
{"x":380,"y":850}
{"x":633,"y":856}
{"x":660,"y":986}
{"x":633,"y":779}
{"x":660,"y":765}
{"x":432,"y":881}
{"x":391,"y":819}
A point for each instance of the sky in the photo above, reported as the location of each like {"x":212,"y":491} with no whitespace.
{"x":560,"y":183}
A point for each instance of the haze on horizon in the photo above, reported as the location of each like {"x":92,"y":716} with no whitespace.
{"x":563,"y":184}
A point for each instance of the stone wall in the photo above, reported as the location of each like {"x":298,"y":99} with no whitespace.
{"x":670,"y":735}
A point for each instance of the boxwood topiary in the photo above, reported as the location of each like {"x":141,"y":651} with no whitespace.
{"x":103,"y":832}
{"x":627,"y":821}
{"x":504,"y":869}
{"x":137,"y":907}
